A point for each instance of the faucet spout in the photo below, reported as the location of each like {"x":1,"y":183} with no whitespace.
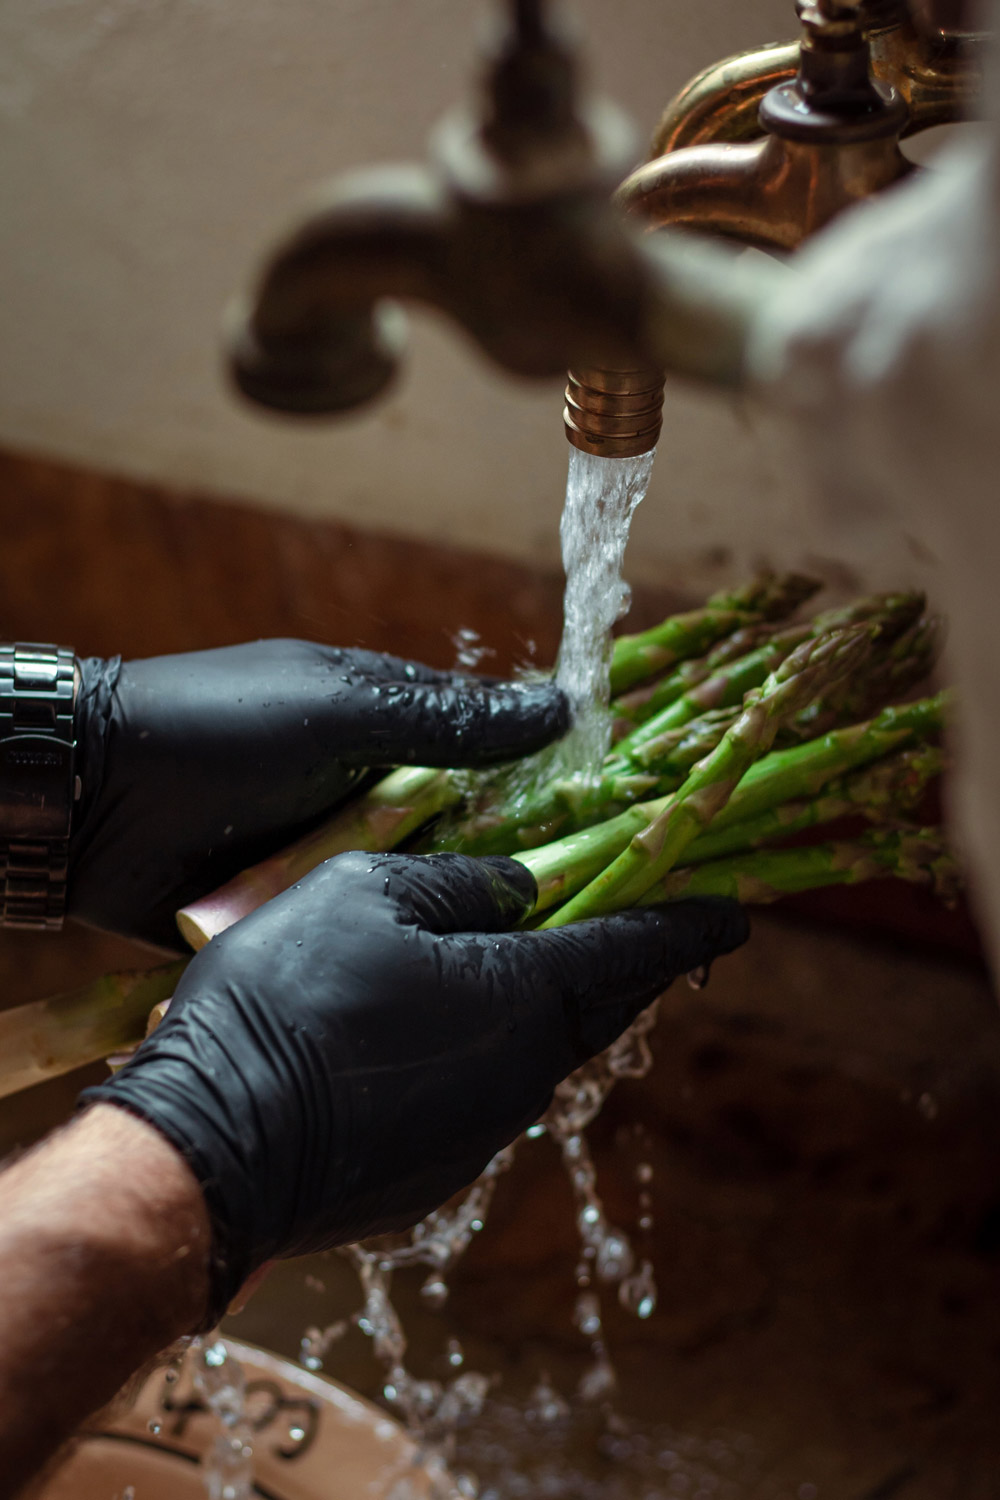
{"x":321,"y":333}
{"x":510,"y":231}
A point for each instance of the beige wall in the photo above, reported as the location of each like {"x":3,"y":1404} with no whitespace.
{"x":148,"y":146}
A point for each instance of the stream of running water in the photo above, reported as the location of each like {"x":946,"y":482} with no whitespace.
{"x":601,"y":498}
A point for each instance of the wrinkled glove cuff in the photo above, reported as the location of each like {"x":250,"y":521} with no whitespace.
{"x":94,"y":704}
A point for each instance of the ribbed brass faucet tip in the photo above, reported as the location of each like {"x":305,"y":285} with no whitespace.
{"x":614,"y":413}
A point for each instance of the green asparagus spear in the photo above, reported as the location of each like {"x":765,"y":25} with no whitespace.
{"x":636,"y":657}
{"x":48,"y":1037}
{"x":887,"y":791}
{"x":888,"y":788}
{"x":895,"y":668}
{"x":725,"y":688}
{"x":557,"y":808}
{"x":378,"y":820}
{"x":651,"y":853}
{"x":894,"y":614}
{"x":562,"y":807}
{"x":918,"y":855}
{"x":802,"y":770}
{"x":643,"y":702}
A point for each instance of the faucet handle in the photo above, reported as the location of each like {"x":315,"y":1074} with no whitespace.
{"x":834,"y":98}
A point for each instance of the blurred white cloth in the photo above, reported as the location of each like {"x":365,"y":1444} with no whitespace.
{"x":883,"y":357}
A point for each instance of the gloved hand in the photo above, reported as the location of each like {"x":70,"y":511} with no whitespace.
{"x":343,"y":1060}
{"x":196,"y":766}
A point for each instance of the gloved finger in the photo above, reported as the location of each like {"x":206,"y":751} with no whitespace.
{"x":447,"y":893}
{"x":381,"y":666}
{"x":451,"y":723}
{"x":605,"y":971}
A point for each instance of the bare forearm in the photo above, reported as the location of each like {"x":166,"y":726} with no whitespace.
{"x":104,"y":1243}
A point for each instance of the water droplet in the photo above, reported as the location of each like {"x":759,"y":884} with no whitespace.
{"x":637,"y":1294}
{"x":614,"y":1257}
{"x":545,"y":1403}
{"x":599,"y":1381}
{"x":456,"y":1356}
{"x":534,"y":1131}
{"x":296,"y":1434}
{"x":587,"y":1315}
{"x":215,"y":1356}
{"x":154,"y":1426}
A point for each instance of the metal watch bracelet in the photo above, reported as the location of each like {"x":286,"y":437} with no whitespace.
{"x":37,"y":783}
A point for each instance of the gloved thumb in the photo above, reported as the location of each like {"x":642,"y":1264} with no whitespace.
{"x":447,"y":893}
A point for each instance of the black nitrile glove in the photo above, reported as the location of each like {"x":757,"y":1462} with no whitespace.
{"x":196,"y":766}
{"x":343,"y":1060}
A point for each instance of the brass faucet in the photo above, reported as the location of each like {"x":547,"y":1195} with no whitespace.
{"x":511,"y":230}
{"x":767,"y":148}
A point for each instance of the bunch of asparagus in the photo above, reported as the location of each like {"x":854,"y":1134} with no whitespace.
{"x":735,"y":727}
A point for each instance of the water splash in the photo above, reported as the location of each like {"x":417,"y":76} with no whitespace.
{"x":227,"y":1465}
{"x":601,"y":497}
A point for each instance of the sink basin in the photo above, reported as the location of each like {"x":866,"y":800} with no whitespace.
{"x":313,"y":1440}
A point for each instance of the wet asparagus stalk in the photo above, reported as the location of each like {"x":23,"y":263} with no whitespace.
{"x":564,"y":806}
{"x":808,"y":671}
{"x":889,"y":789}
{"x":725,"y":688}
{"x":50,"y":1037}
{"x":651,"y":652}
{"x":643,"y":702}
{"x":917,"y":855}
{"x":893,"y":614}
{"x":895,"y":668}
{"x":379,"y":820}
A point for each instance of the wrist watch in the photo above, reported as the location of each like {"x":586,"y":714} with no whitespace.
{"x":38,"y":784}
